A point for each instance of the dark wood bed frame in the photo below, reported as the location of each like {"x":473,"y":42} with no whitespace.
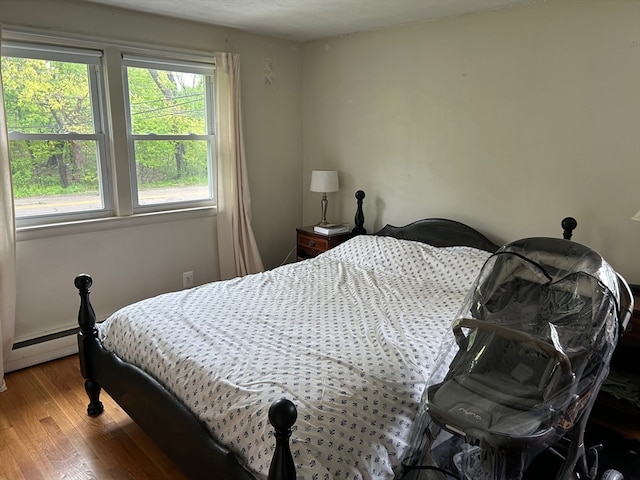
{"x":175,"y":428}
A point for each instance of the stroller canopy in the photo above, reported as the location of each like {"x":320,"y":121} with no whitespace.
{"x":530,"y":345}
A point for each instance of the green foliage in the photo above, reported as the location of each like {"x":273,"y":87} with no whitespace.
{"x":44,"y":96}
{"x":49,"y":97}
{"x":53,"y":97}
{"x":164,"y":102}
{"x":156,"y":161}
{"x":38,"y":165}
{"x":167,"y":103}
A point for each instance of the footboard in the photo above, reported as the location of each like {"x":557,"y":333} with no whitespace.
{"x":161,"y":415}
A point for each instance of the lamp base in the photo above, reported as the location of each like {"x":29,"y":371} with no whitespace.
{"x":323,"y":207}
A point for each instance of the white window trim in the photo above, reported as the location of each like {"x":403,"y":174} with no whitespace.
{"x":91,"y":58}
{"x":161,"y":63}
{"x":77,"y":227}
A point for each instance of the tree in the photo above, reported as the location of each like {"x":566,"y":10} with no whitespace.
{"x":54,"y":97}
{"x":165,"y":102}
{"x":48,"y":97}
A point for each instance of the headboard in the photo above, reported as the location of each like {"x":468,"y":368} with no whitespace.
{"x":440,"y":232}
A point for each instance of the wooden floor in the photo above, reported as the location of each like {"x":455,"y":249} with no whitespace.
{"x":45,"y":432}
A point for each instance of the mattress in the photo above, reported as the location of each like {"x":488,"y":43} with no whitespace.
{"x":349,"y":336}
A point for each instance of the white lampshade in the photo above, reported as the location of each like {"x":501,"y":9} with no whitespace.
{"x":636,"y":217}
{"x":324,"y":181}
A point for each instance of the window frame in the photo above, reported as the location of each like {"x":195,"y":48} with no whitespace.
{"x":92,"y":58}
{"x":174,"y":65}
{"x":117,"y":174}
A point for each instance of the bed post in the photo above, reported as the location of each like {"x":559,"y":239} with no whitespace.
{"x":359,"y":219}
{"x":568,"y":225}
{"x":282,"y":416}
{"x":87,"y":335}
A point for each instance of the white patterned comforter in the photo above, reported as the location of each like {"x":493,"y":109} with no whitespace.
{"x":349,"y":337}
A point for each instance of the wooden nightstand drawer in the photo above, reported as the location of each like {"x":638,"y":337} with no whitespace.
{"x":311,"y":244}
{"x":618,"y":413}
{"x":631,"y":335}
{"x":627,"y":354}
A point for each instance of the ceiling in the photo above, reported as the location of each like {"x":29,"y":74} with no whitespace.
{"x":305,"y":20}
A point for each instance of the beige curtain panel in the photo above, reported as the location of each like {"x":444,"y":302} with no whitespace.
{"x":237,"y":249}
{"x":7,"y":244}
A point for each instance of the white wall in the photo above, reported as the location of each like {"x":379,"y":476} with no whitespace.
{"x":129,"y":259}
{"x":506,"y":120}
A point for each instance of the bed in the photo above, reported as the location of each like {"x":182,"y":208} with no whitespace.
{"x":344,"y":342}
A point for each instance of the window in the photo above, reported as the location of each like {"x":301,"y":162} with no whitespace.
{"x":66,"y":163}
{"x":56,"y":133}
{"x":170,"y":130}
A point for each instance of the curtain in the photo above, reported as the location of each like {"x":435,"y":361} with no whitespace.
{"x":237,"y":249}
{"x":7,"y":245}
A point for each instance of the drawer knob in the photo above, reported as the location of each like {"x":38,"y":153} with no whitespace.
{"x":312,"y":243}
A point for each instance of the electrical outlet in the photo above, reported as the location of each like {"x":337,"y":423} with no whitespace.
{"x":187,"y":280}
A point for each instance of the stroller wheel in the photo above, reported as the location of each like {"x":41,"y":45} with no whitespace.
{"x":612,"y":475}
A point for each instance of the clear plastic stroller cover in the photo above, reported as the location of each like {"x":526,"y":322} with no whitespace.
{"x":524,"y":358}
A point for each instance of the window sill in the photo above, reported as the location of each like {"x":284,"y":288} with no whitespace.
{"x":110,"y":223}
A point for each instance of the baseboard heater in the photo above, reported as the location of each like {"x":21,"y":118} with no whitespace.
{"x":45,"y":338}
{"x":27,"y":353}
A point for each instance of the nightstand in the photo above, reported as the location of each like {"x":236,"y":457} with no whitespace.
{"x":618,"y":414}
{"x":311,"y":244}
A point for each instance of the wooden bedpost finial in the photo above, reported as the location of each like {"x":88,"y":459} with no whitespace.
{"x":83,"y":282}
{"x":359,"y":220}
{"x":282,"y":416}
{"x":568,"y":224}
{"x":86,"y":315}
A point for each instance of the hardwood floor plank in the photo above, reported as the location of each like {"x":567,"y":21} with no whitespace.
{"x":45,"y":432}
{"x":22,"y":453}
{"x":112,"y":425}
{"x":85,"y":432}
{"x":61,"y":429}
{"x":14,"y":461}
{"x":62,"y":455}
{"x":108,"y":426}
{"x":152,"y":451}
{"x":24,"y":411}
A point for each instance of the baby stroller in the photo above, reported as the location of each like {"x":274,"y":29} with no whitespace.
{"x":522,"y":365}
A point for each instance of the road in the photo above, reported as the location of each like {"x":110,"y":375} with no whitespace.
{"x":82,"y":202}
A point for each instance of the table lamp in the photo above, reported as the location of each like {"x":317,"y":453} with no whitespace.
{"x":324,"y":181}
{"x":636,"y":217}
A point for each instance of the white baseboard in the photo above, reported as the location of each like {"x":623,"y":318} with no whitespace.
{"x":41,"y":352}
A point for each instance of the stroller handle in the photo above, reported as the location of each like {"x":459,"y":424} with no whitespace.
{"x":508,"y":333}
